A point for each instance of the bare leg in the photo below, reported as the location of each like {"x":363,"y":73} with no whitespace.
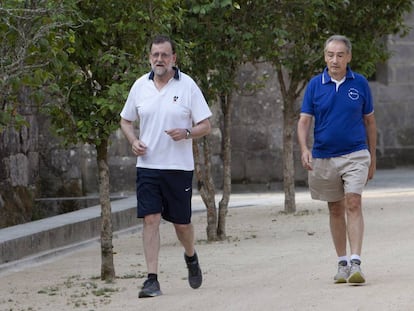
{"x":151,"y":241}
{"x":355,"y":222}
{"x":337,"y":224}
{"x":185,"y":234}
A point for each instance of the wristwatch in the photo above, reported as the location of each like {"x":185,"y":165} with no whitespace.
{"x":188,"y":135}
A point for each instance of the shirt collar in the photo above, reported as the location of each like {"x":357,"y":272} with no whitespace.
{"x":176,"y":74}
{"x":326,"y":78}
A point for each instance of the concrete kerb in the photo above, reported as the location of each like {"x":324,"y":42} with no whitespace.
{"x":54,"y":234}
{"x":38,"y":240}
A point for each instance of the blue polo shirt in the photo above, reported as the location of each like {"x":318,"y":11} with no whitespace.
{"x":338,"y":113}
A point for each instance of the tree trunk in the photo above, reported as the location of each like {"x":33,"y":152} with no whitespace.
{"x":107,"y":265}
{"x":288,"y":159}
{"x":226,"y":107}
{"x":205,"y":184}
{"x":289,"y":95}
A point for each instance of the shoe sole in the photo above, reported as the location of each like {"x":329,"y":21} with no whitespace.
{"x":149,"y":295}
{"x":340,"y":281}
{"x":195,"y":281}
{"x":356,"y":278}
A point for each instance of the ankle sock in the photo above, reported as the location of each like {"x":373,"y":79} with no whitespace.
{"x":356,"y":259}
{"x":152,"y":276}
{"x":341,"y":259}
{"x":192,"y":258}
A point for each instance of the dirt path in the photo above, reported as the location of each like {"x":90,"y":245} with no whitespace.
{"x":270,"y":261}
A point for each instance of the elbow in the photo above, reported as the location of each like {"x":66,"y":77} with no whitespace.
{"x":124,"y":125}
{"x":124,"y":122}
{"x":208,"y":128}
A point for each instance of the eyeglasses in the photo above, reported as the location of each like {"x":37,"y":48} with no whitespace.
{"x":163,"y":55}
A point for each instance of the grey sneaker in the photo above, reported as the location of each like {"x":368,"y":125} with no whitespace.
{"x":355,"y":274}
{"x":343,"y":273}
{"x":195,"y":277}
{"x":151,"y":288}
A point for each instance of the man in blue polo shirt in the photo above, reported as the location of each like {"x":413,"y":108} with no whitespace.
{"x":343,"y":156}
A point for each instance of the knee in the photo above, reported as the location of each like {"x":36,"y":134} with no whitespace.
{"x":182,"y":229}
{"x":337,"y":209}
{"x":353,"y":203}
{"x":152,"y":220}
{"x":336,"y":213}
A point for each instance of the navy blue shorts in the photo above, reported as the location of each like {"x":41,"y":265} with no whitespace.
{"x":167,"y":192}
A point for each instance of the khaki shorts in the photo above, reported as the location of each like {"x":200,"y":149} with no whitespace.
{"x":331,"y":178}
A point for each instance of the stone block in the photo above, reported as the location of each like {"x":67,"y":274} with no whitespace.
{"x":19,"y":170}
{"x":263,"y":167}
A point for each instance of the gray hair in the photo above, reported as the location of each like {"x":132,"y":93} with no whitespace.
{"x":341,"y":38}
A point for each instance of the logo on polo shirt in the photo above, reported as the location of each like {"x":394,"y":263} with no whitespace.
{"x":175,"y":98}
{"x":353,"y":93}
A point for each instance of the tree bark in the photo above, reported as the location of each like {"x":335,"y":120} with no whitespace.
{"x":288,"y":159}
{"x":226,"y":107}
{"x":289,"y":96}
{"x":107,"y":265}
{"x":205,"y":184}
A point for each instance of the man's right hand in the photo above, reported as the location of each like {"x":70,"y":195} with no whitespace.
{"x":307,"y":160}
{"x":139,"y":148}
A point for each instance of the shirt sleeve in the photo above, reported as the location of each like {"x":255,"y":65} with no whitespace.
{"x":199,"y":107}
{"x":369,"y":104}
{"x":307,"y":102}
{"x":129,"y":111}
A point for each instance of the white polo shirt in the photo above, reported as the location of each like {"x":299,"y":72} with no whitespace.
{"x":179,"y":104}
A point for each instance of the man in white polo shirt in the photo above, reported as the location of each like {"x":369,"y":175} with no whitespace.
{"x":171,"y":111}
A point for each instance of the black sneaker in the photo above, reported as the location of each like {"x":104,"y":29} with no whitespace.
{"x":195,"y":277}
{"x":151,"y":288}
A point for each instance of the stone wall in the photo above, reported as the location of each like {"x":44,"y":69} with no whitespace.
{"x":33,"y":164}
{"x":60,"y":174}
{"x":257,"y":131}
{"x":394,"y":97}
{"x":257,"y":127}
{"x":19,"y":170}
